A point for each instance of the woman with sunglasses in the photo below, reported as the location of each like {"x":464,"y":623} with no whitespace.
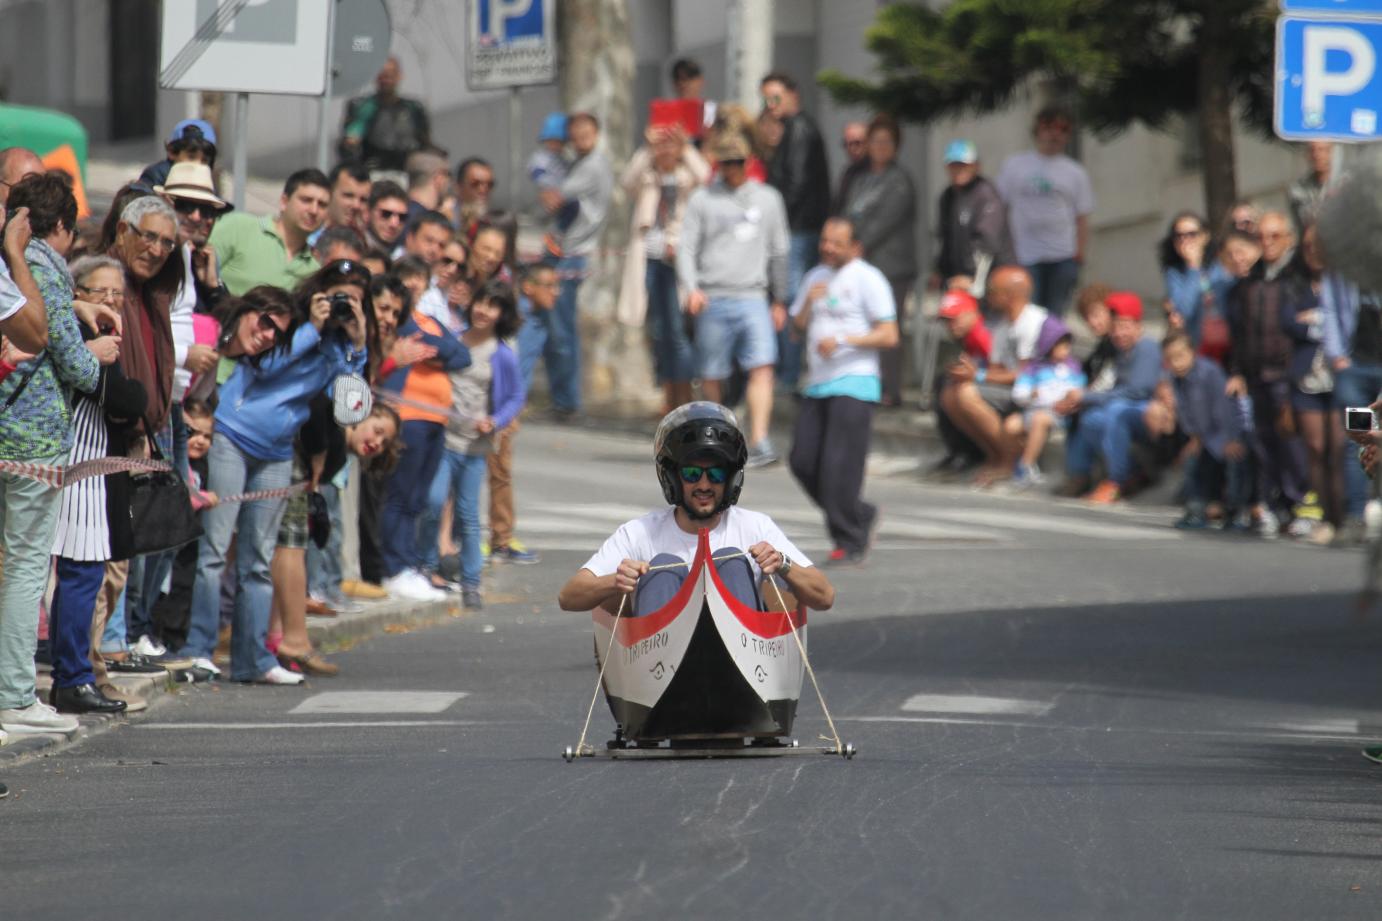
{"x":699,"y":452}
{"x":1195,"y":281}
{"x":261,"y":408}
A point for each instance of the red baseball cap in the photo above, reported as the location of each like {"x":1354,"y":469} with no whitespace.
{"x":956,"y":303}
{"x":1124,"y":304}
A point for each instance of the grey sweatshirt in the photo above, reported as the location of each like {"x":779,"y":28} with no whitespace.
{"x":589,"y":184}
{"x":734,"y":242}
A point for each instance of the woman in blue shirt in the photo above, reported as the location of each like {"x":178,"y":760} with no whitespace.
{"x":1194,"y":289}
{"x":260,"y":410}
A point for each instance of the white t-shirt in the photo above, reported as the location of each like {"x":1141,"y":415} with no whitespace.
{"x":658,"y":532}
{"x":433,"y":304}
{"x":1015,"y":343}
{"x":11,"y":300}
{"x":1044,"y":195}
{"x":858,"y":298}
{"x":184,"y":330}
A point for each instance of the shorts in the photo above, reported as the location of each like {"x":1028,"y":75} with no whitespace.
{"x":1311,"y":402}
{"x":292,"y":529}
{"x":735,"y":331}
{"x":1058,"y":422}
{"x":998,"y":396}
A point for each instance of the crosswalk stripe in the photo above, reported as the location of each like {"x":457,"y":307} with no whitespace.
{"x":1058,"y":524}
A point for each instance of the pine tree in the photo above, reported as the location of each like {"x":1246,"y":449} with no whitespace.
{"x":1118,"y":62}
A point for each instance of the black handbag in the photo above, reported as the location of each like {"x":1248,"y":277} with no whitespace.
{"x":161,"y":515}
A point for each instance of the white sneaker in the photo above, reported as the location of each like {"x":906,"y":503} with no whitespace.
{"x":206,"y":664}
{"x":149,"y":647}
{"x":279,"y":675}
{"x":37,"y":717}
{"x":412,"y":586}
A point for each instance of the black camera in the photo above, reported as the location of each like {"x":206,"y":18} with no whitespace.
{"x":341,"y":309}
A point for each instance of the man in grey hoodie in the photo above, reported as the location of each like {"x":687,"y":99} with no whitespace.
{"x":733,"y":253}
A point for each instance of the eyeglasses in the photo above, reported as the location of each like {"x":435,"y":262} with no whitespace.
{"x":102,"y":294}
{"x":1279,"y":235}
{"x":1187,"y":234}
{"x":154,"y":241}
{"x":691,"y":473}
{"x":266,"y":323}
{"x":447,"y":260}
{"x":480,"y":183}
{"x":387,"y":215}
{"x":849,"y":144}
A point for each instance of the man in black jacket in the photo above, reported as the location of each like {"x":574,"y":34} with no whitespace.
{"x":973,"y":225}
{"x":799,"y":172}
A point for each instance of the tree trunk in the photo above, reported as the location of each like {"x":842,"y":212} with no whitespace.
{"x":1216,"y":117}
{"x":597,"y":74}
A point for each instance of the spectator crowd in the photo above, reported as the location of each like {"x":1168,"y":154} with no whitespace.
{"x":329,"y":390}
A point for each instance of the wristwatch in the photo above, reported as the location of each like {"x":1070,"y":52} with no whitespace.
{"x":786,"y":565}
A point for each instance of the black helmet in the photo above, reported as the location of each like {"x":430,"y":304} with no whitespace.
{"x":699,"y":430}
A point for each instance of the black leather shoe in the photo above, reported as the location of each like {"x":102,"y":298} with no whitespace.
{"x":84,"y":698}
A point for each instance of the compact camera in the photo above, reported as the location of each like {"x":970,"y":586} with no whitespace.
{"x":1360,"y":419}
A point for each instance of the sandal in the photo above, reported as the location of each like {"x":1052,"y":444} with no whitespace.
{"x":311,"y":664}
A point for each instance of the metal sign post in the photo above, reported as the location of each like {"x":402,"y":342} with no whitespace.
{"x":324,"y":111}
{"x":511,"y":44}
{"x":240,"y":157}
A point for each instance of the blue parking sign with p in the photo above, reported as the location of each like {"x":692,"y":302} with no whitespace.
{"x":1328,"y":83}
{"x":505,"y":22}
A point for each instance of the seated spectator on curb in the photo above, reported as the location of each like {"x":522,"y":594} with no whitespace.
{"x":960,"y":313}
{"x":1111,"y":419}
{"x":977,"y":398}
{"x":1098,"y":364}
{"x":1216,"y":460}
{"x":1044,"y":382}
{"x":273,"y":250}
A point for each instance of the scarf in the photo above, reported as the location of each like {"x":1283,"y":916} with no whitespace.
{"x":145,"y":316}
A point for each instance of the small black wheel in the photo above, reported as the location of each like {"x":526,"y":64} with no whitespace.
{"x":849,"y":751}
{"x":569,"y":754}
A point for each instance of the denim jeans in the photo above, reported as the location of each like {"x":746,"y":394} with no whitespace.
{"x":254,"y":526}
{"x":113,"y":639}
{"x":1107,"y":431}
{"x":803,"y":251}
{"x":461,"y":477}
{"x":1357,"y":385}
{"x":1052,"y":284}
{"x":147,"y":576}
{"x":562,"y":352}
{"x":405,"y":497}
{"x":324,"y":565}
{"x":660,"y":586}
{"x":69,"y":620}
{"x":674,"y":358}
{"x":28,"y":520}
{"x":1208,"y":478}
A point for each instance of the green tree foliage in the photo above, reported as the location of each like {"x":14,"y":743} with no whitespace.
{"x":1118,"y":62}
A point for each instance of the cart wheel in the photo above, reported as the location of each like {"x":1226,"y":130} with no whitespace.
{"x":850,"y":751}
{"x":569,"y":754}
{"x":795,"y":744}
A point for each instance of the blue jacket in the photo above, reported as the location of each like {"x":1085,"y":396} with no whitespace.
{"x":1186,"y":289}
{"x":1138,"y":370}
{"x":506,"y":391}
{"x":260,"y":409}
{"x":1205,"y":411}
{"x":1339,"y":300}
{"x":1306,"y":338}
{"x":451,"y":353}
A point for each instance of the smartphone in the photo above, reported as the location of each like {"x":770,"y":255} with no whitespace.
{"x":1360,"y":419}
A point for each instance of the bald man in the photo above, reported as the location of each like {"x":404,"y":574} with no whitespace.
{"x":15,"y":164}
{"x":977,"y":398}
{"x":383,"y":129}
{"x":854,"y":139}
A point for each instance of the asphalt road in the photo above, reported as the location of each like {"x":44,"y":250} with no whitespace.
{"x":1061,"y":713}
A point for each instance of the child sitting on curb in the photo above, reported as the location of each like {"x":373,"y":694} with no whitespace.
{"x":1042,"y":383}
{"x":1215,"y":459}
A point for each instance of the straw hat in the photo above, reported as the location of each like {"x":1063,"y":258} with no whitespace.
{"x":192,"y":181}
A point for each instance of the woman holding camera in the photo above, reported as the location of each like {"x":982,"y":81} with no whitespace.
{"x":260,"y":411}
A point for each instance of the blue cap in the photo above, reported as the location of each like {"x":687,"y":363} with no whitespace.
{"x":961,"y":151}
{"x":201,"y":125}
{"x":553,"y":127}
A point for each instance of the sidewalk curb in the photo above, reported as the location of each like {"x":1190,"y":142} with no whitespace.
{"x":25,"y":747}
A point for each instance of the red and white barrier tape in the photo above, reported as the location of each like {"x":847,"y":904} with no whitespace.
{"x":62,"y":477}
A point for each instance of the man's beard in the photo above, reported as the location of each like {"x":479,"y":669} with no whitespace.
{"x":699,"y":516}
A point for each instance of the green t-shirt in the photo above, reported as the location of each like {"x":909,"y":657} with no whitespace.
{"x":252,"y":253}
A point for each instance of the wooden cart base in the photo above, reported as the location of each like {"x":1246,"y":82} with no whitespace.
{"x":619,"y":752}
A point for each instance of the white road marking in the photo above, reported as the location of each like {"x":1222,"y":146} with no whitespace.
{"x":972,"y":703}
{"x":1322,"y":726}
{"x":341,"y":724}
{"x":379,"y":702}
{"x":1137,"y":730}
{"x":1051,"y":524}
